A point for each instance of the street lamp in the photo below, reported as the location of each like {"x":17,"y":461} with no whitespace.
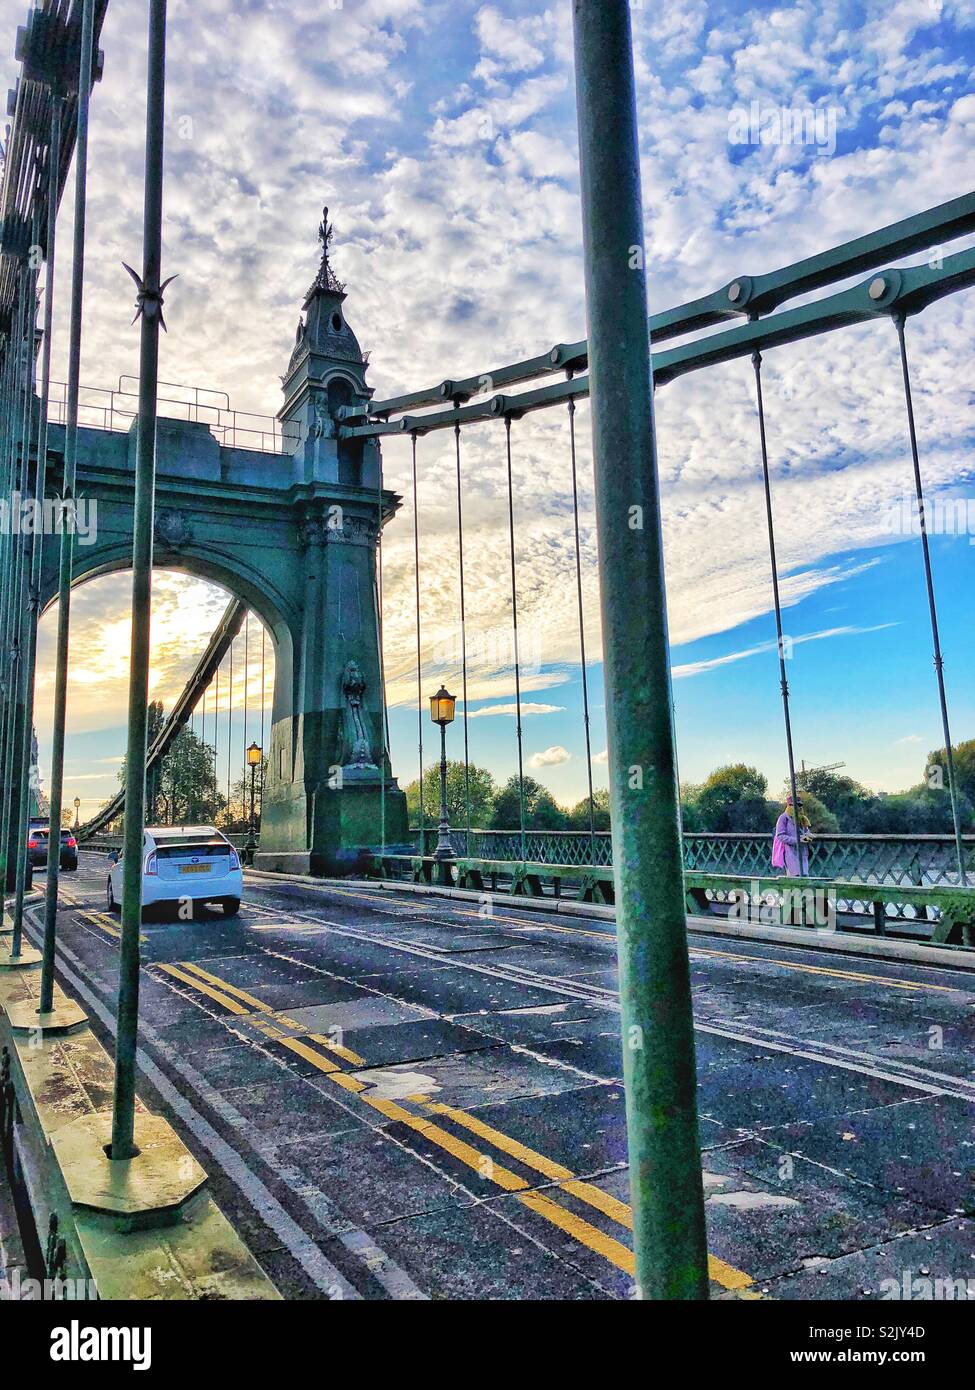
{"x":77,"y":812}
{"x":254,"y":755}
{"x":442,"y":706}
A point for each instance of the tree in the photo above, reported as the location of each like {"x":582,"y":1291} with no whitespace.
{"x":238,"y":810}
{"x":579,"y":815}
{"x":963,"y":757}
{"x":849,"y":802}
{"x":542,"y":811}
{"x":733,"y":798}
{"x":822,"y":821}
{"x":482,"y":796}
{"x":920,"y":810}
{"x":186,"y":790}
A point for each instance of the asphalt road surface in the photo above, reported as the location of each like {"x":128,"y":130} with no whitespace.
{"x":396,"y":1097}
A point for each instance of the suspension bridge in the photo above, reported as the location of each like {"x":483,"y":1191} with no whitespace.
{"x":287,"y":515}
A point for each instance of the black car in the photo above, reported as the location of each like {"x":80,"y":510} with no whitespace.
{"x":38,"y":838}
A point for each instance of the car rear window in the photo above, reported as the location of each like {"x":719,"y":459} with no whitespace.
{"x":209,"y":849}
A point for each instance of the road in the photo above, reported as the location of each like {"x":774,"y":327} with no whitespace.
{"x":397,"y":1097}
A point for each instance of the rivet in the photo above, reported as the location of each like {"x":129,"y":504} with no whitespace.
{"x":878,"y":288}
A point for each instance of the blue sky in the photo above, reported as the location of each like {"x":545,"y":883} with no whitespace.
{"x":443,"y":139}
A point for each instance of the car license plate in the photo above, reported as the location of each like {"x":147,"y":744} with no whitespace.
{"x":194,"y":868}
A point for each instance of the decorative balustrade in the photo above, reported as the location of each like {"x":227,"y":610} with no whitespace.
{"x":893,"y":859}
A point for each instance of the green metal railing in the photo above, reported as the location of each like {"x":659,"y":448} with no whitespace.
{"x":894,"y":859}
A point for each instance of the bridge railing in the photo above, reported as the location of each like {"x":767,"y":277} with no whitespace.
{"x":895,"y":859}
{"x":115,"y":408}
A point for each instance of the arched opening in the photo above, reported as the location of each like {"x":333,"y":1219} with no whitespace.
{"x":341,"y":392}
{"x":237,"y":707}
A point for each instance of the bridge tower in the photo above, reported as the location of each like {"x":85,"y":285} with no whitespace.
{"x":329,"y":789}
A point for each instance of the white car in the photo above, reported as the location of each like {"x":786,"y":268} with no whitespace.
{"x":182,"y":865}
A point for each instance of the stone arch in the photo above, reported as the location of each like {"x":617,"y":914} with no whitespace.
{"x":233,"y":575}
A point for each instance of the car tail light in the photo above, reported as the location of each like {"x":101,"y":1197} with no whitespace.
{"x":150,"y":864}
{"x":32,"y":844}
{"x":234,"y":860}
{"x":71,"y":842}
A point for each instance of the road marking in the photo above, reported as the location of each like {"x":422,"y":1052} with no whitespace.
{"x":230,"y":1004}
{"x":539,"y":926}
{"x":620,"y":1212}
{"x":229,"y":989}
{"x":612,"y":1250}
{"x":826,"y":970}
{"x":108,"y":927}
{"x":299,"y":1244}
{"x":483,"y":1164}
{"x":605,"y":998}
{"x":725,"y":955}
{"x":586,"y":1192}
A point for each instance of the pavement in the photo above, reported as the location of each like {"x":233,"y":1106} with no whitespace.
{"x":403,"y":1096}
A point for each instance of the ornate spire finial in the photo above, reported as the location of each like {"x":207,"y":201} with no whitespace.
{"x":326,"y":278}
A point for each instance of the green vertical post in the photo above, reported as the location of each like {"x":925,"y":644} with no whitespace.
{"x":150,"y":304}
{"x":23,"y":418}
{"x":11,"y":610}
{"x":37,"y":541}
{"x":68,"y":488}
{"x":655,"y":997}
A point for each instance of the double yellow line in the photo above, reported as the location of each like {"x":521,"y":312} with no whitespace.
{"x":260,"y":1015}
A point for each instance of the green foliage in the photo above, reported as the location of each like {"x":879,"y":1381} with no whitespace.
{"x":963,"y":756}
{"x":579,"y":815}
{"x":542,"y":811}
{"x":733,"y":799}
{"x":822,"y":821}
{"x":848,"y":801}
{"x":482,"y":796}
{"x":184,"y":790}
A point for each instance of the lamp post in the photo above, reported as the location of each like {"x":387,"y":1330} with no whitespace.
{"x":442,"y":706}
{"x":254,"y":756}
{"x":77,"y":812}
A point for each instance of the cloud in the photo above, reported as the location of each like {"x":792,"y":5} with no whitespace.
{"x":697,"y":668}
{"x":513,"y":710}
{"x":552,"y":757}
{"x":450,"y":171}
{"x":602,"y":757}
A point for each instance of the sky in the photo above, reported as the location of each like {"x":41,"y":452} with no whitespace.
{"x":442,"y":137}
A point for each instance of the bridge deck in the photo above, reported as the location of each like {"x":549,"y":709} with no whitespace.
{"x":411,"y":1099}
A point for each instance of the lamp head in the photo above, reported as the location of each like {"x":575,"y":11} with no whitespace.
{"x":442,"y":706}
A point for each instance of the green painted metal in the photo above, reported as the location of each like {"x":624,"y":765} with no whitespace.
{"x":68,"y":489}
{"x":150,"y":316}
{"x":745,"y":295}
{"x":909,"y":291}
{"x":939,"y":664}
{"x":655,"y":996}
{"x":37,"y":540}
{"x":888,"y":859}
{"x":19,"y":416}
